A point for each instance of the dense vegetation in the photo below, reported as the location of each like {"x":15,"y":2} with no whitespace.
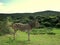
{"x":46,"y":19}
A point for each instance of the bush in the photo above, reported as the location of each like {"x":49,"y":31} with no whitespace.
{"x":3,"y":28}
{"x":42,"y":31}
{"x":58,"y":25}
{"x":51,"y":33}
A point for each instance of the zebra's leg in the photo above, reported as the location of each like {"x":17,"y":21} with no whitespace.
{"x":28,"y":35}
{"x":14,"y":34}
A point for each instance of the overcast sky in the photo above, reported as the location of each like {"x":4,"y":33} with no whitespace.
{"x":20,"y":6}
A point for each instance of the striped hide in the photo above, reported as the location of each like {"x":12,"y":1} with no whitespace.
{"x":25,"y":27}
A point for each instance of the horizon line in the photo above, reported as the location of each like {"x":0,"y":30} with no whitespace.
{"x":27,"y":12}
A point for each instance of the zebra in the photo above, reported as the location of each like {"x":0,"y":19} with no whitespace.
{"x":25,"y":27}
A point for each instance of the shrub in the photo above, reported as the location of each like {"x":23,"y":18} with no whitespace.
{"x":3,"y":28}
{"x":42,"y":31}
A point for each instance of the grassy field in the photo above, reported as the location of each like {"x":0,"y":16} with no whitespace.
{"x":21,"y":39}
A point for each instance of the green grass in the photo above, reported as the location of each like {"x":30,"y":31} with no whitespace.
{"x":21,"y":39}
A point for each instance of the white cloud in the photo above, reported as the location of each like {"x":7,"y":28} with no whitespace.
{"x":31,"y":6}
{"x":1,"y":3}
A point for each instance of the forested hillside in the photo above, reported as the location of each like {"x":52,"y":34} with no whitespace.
{"x":46,"y":18}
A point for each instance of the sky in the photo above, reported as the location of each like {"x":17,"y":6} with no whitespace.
{"x":22,"y":6}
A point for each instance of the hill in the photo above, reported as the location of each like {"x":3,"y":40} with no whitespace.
{"x":47,"y":12}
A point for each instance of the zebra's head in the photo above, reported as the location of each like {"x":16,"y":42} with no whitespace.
{"x":34,"y":24}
